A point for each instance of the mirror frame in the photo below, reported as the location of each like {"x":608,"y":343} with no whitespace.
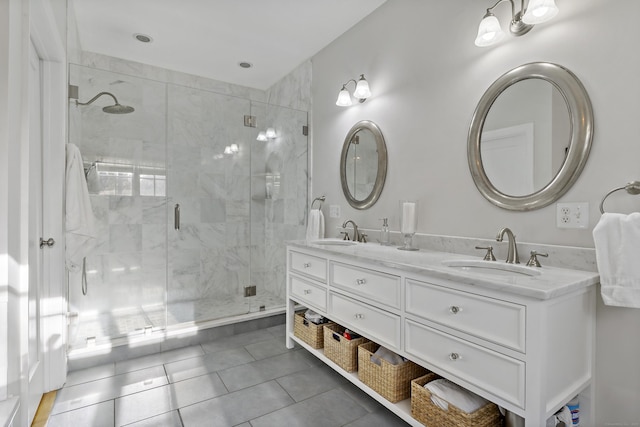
{"x":382,"y":164}
{"x":580,"y":115}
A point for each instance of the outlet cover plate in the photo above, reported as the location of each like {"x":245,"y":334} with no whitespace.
{"x":572,"y":215}
{"x":334,"y":211}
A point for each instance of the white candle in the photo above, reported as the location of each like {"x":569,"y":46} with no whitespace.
{"x":408,"y":218}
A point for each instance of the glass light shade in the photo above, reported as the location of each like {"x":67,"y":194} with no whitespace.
{"x":271,"y":133}
{"x":234,"y":148}
{"x":489,"y":31}
{"x":227,"y":150}
{"x":344,"y":98}
{"x":540,"y":11}
{"x":262,"y":136}
{"x":362,"y":89}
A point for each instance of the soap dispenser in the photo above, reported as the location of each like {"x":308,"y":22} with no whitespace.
{"x":384,"y":233}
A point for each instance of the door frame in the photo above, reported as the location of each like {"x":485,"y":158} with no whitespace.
{"x":52,"y":51}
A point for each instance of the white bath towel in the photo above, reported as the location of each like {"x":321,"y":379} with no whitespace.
{"x":444,"y":392}
{"x":315,"y":227}
{"x":79,"y":223}
{"x":617,"y":242}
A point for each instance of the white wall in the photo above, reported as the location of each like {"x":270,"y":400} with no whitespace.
{"x":427,"y":76}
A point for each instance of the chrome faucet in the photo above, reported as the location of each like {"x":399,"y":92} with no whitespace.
{"x":356,"y":234}
{"x":512,"y":254}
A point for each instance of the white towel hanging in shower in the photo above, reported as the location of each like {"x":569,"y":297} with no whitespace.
{"x":79,"y":222}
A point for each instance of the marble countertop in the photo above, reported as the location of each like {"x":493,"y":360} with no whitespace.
{"x":551,"y":282}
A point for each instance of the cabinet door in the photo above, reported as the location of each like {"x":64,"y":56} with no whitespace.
{"x":491,"y":319}
{"x":382,"y":326}
{"x":375,"y":285}
{"x":496,"y":373}
{"x":307,"y":292}
{"x":309,"y":265}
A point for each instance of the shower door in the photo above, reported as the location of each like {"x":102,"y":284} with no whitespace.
{"x":125,"y":161}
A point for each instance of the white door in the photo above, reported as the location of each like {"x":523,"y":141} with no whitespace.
{"x":36,"y":375}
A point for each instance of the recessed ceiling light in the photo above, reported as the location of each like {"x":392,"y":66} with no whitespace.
{"x":143,"y":38}
{"x":245,"y":64}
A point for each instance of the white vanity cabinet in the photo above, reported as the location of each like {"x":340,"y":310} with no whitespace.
{"x":529,"y":351}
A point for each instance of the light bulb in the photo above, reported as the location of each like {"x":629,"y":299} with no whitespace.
{"x":362,"y":89}
{"x":271,"y":133}
{"x":540,"y":11}
{"x":344,"y":98}
{"x":489,"y":31}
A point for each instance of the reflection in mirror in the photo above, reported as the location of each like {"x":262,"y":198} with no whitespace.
{"x":363,"y":164}
{"x":523,"y":144}
{"x":530,"y":136}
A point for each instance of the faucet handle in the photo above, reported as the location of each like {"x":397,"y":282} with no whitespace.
{"x":533,"y":260}
{"x":346,"y":235}
{"x":363,"y":238}
{"x":489,"y":255}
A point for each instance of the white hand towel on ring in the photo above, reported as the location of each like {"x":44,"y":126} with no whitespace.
{"x":315,"y":227}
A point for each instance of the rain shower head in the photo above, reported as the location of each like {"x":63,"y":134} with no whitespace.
{"x":110,"y":109}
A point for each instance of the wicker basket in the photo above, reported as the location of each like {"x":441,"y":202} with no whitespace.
{"x":340,"y":350}
{"x":307,"y":331}
{"x":425,"y":411}
{"x":393,"y":382}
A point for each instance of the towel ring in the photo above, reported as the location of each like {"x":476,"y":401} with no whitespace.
{"x":632,"y":188}
{"x":321,"y":199}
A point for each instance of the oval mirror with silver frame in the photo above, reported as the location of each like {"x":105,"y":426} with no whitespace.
{"x":575,"y":145}
{"x":363,"y":164}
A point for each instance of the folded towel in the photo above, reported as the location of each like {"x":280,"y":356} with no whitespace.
{"x":444,"y":392}
{"x":79,"y":225}
{"x":314,"y":317}
{"x":388,"y":355}
{"x":617,"y":240}
{"x":315,"y":227}
{"x":562,"y":416}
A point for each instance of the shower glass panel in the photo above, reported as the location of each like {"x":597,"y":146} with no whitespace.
{"x":125,"y":164}
{"x":183,"y":150}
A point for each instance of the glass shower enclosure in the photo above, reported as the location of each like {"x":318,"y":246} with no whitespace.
{"x":191,"y":210}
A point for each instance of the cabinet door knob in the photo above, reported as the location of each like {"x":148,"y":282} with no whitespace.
{"x":49,"y":242}
{"x":455,"y":356}
{"x":454,"y":309}
{"x":306,"y":265}
{"x":307,"y":291}
{"x":361,"y":281}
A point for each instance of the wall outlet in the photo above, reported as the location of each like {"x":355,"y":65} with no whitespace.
{"x":334,"y":211}
{"x":572,"y":215}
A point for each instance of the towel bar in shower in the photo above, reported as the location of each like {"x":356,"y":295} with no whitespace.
{"x":632,"y":187}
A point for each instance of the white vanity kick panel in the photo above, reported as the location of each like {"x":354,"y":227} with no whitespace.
{"x":308,"y":264}
{"x":382,"y":325}
{"x":498,"y":321}
{"x":381,"y":287}
{"x":308,"y":292}
{"x":498,"y":374}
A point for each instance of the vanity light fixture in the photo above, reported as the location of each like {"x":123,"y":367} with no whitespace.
{"x":536,"y":12}
{"x":270,"y":133}
{"x":361,"y":92}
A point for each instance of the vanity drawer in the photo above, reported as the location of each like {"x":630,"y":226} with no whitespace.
{"x":498,"y":374}
{"x":307,"y":292}
{"x":309,"y":265}
{"x":377,"y":286}
{"x":371,"y":321}
{"x":487,"y":318}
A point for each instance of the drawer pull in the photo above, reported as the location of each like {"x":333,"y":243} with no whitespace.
{"x":454,"y":356}
{"x":307,"y":291}
{"x":361,"y":281}
{"x":358,"y":316}
{"x":306,"y":265}
{"x":454,"y":309}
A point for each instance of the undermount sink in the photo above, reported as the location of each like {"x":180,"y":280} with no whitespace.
{"x":491,"y":268}
{"x":333,"y":242}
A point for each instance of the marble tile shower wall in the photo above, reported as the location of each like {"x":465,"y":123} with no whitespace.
{"x":236,"y":209}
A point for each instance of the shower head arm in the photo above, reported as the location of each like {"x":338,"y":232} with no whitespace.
{"x":96,"y":97}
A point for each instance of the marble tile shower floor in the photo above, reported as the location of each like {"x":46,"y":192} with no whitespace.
{"x":245,"y":380}
{"x":88,"y":328}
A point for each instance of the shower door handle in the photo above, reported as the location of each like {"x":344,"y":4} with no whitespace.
{"x":176,"y":216}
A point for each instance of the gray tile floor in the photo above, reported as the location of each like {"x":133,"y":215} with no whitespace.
{"x":247,"y":380}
